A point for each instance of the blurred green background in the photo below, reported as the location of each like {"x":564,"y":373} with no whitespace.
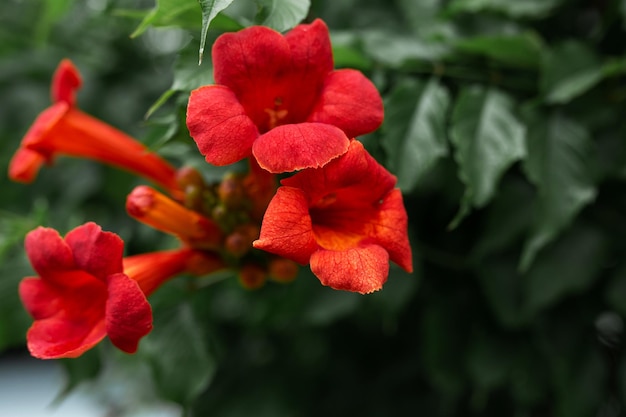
{"x":505,"y":124}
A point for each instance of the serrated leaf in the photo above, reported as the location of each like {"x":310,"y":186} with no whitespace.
{"x":282,"y":15}
{"x":415,"y":121}
{"x":558,"y":163}
{"x":210,"y":9}
{"x":568,"y":71}
{"x":178,"y":354}
{"x":179,"y":13}
{"x":517,"y":8}
{"x":487,"y":139}
{"x":569,"y":266}
{"x":521,"y":50}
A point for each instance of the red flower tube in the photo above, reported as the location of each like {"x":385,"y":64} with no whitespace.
{"x":81,"y":293}
{"x":152,"y":269}
{"x":63,"y":129}
{"x":161,"y":212}
{"x":346,"y":219}
{"x":277,"y":97}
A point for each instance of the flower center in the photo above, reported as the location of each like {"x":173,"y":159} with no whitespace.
{"x":276,"y":115}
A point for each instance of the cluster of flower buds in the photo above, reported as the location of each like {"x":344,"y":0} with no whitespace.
{"x":279,"y":104}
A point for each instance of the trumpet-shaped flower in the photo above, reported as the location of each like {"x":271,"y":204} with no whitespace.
{"x":81,"y":293}
{"x":161,"y":212}
{"x":346,"y":219}
{"x":278,"y":97}
{"x":63,"y":129}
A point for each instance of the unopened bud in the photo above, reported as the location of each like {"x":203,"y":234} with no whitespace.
{"x":283,"y":270}
{"x":252,"y":276}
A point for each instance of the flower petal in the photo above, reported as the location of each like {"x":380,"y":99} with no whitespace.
{"x":25,"y":165}
{"x":55,"y":338}
{"x":39,"y":298}
{"x":298,"y":146}
{"x":65,"y":82}
{"x":356,"y":178}
{"x":391,"y":230}
{"x":286,"y":229}
{"x":311,"y":51}
{"x":47,"y":252}
{"x":96,"y":252}
{"x":253,"y":63}
{"x":349,"y":101}
{"x":219,"y":125}
{"x":128,"y":313}
{"x":75,"y":321}
{"x":361,"y":269}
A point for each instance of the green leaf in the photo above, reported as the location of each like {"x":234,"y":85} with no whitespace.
{"x":521,"y":50}
{"x":415,"y":122}
{"x":568,"y":71}
{"x":282,"y":15}
{"x":188,"y":75}
{"x":178,"y":354}
{"x":51,"y":13}
{"x":210,"y":9}
{"x":517,"y":8}
{"x":488,"y":139}
{"x":558,"y":163}
{"x":180,"y":13}
{"x":396,"y":51}
{"x":569,"y":266}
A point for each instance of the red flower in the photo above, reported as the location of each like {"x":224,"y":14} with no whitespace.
{"x":161,"y":212}
{"x":63,"y":129}
{"x":278,"y":98}
{"x":81,"y":294}
{"x":346,"y":219}
{"x":152,"y":269}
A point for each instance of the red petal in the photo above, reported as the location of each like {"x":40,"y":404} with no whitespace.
{"x":391,"y":230}
{"x":298,"y":146}
{"x":361,"y":269}
{"x":356,"y":178}
{"x":25,"y":165}
{"x":219,"y":125}
{"x":65,"y":82}
{"x":75,"y":317}
{"x":56,"y":338}
{"x":36,"y":137}
{"x":254,"y":64}
{"x":96,"y":252}
{"x":286,"y":229}
{"x":39,"y":298}
{"x":47,"y":252}
{"x":128,"y":313}
{"x":349,"y":101}
{"x":311,"y":51}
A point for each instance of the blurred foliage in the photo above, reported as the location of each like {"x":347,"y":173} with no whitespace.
{"x":505,"y":124}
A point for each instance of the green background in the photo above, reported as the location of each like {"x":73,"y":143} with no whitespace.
{"x":505,"y":122}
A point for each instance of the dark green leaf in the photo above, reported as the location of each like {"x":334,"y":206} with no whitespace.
{"x":518,"y":8}
{"x":415,"y":123}
{"x":396,"y":50}
{"x":188,"y":75}
{"x":421,"y":15}
{"x":569,"y":266}
{"x":569,"y":70}
{"x":282,"y":14}
{"x":559,"y":155}
{"x":210,"y":9}
{"x":180,"y":358}
{"x":615,"y":294}
{"x":487,"y":138}
{"x":174,"y":13}
{"x":523,"y":50}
